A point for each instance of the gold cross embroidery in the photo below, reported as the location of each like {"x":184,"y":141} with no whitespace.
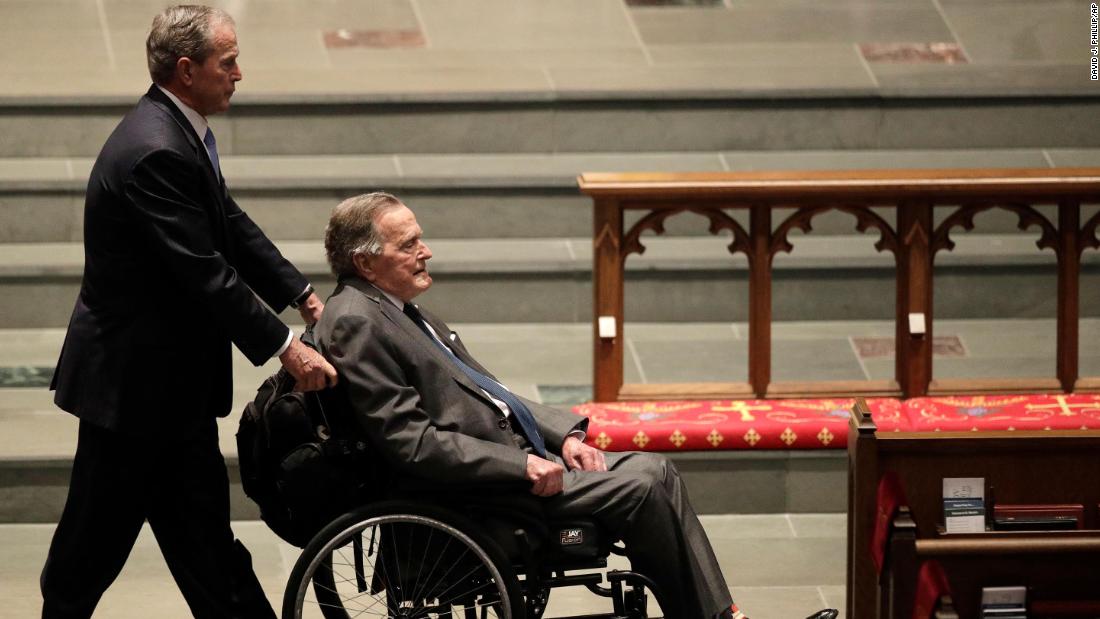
{"x":1064,"y":408}
{"x":752,"y":437}
{"x":788,"y":437}
{"x":739,"y":406}
{"x":714,"y":438}
{"x":677,"y":438}
{"x":641,"y":440}
{"x":825,"y":436}
{"x":603,"y":440}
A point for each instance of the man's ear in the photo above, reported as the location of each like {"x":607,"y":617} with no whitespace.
{"x":184,"y":68}
{"x":362,"y":264}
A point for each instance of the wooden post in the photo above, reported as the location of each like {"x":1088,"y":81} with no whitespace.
{"x":1069,"y":283}
{"x":607,"y":298}
{"x":913,"y":354}
{"x":760,"y":299}
{"x":862,"y":580}
{"x":900,"y":573}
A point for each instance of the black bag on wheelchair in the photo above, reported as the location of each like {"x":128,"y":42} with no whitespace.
{"x":299,"y":470}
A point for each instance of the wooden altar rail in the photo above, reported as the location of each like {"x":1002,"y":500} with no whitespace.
{"x":914,"y":240}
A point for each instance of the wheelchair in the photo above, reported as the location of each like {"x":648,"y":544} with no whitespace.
{"x":375,"y":545}
{"x":417,"y":559}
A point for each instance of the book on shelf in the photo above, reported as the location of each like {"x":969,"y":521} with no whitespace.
{"x":1053,"y":517}
{"x":1004,"y":603}
{"x":964,"y":504}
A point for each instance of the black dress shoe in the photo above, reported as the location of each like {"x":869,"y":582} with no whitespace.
{"x":828,"y":613}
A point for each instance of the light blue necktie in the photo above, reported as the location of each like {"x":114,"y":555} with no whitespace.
{"x":519,"y":410}
{"x":212,"y":150}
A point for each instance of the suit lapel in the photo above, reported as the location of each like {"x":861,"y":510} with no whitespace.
{"x":460,"y":351}
{"x":215,"y":188}
{"x":418,"y":337}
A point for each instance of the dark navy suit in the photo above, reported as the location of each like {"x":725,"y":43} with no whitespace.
{"x":171,"y":268}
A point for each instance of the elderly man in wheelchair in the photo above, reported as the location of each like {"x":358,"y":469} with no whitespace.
{"x":489,"y":500}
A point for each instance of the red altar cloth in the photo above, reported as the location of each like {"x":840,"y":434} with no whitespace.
{"x":1004,"y":412}
{"x":705,"y":425}
{"x":729,"y":424}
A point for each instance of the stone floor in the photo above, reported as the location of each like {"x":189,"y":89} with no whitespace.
{"x":778,"y":567}
{"x":797,"y":560}
{"x":402,"y":49}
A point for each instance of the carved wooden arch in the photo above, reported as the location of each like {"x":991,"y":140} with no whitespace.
{"x":964,"y":218}
{"x":655,"y":221}
{"x":1089,"y":233}
{"x":803,"y":217}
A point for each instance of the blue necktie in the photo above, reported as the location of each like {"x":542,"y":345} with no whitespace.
{"x":519,"y":410}
{"x":212,"y":150}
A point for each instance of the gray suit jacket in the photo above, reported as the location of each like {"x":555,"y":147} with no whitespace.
{"x":424,"y":414}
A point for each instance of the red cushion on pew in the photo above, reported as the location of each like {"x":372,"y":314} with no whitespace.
{"x":705,"y":425}
{"x":1004,"y":412}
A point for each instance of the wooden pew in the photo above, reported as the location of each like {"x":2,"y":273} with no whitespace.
{"x":1044,"y":467}
{"x":1057,"y":566}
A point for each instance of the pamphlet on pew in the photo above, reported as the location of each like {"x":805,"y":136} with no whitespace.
{"x":964,"y":504}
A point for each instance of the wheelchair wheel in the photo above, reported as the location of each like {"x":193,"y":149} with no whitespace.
{"x":402,"y":560}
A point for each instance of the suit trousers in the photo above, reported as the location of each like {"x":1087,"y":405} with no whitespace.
{"x":642,"y":499}
{"x":181,"y":487}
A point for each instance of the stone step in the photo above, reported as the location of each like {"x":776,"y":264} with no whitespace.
{"x":677,"y":119}
{"x":469,"y":195}
{"x":552,"y":363}
{"x":677,"y":279}
{"x":809,"y":481}
{"x":37,"y":441}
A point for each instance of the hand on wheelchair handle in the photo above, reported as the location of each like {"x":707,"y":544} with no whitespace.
{"x":310,"y":370}
{"x":545,"y":476}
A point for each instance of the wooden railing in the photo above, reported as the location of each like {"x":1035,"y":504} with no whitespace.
{"x":914,"y":241}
